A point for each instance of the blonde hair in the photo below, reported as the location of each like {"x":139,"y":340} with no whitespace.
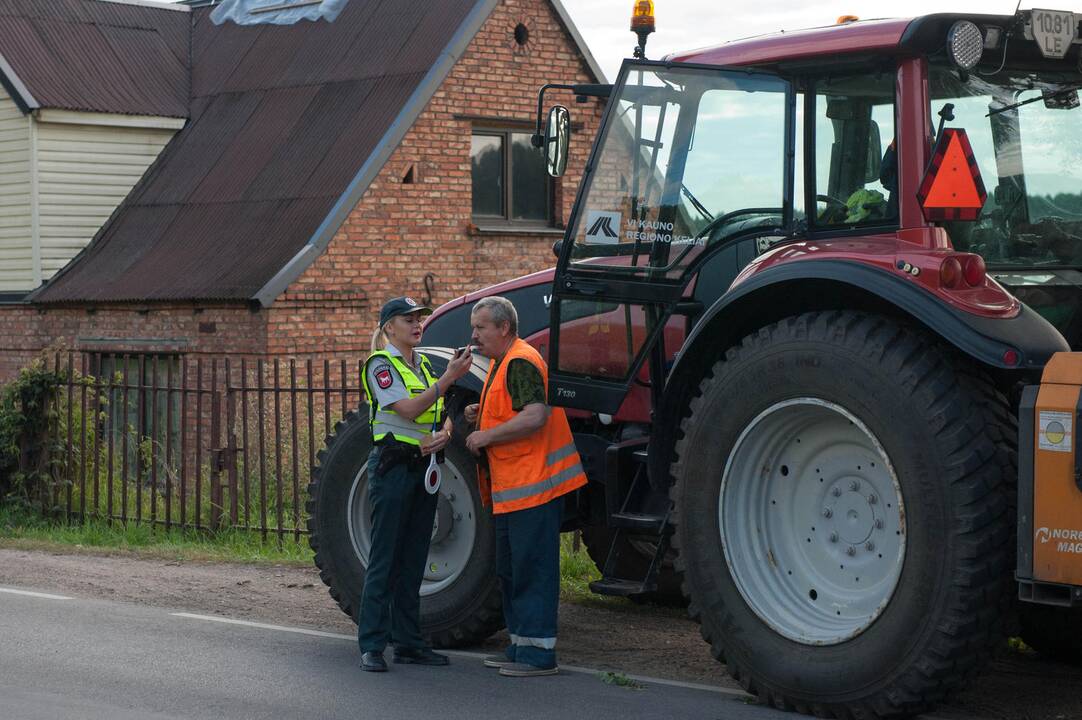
{"x":379,"y":339}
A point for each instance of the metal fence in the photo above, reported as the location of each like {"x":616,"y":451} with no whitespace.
{"x":206,"y":442}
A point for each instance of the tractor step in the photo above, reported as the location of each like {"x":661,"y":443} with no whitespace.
{"x":643,"y":522}
{"x":621,"y":587}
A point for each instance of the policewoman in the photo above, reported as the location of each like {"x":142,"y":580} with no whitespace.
{"x":405,"y":402}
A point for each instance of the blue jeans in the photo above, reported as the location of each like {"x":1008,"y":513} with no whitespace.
{"x":402,"y":517}
{"x":528,"y":566}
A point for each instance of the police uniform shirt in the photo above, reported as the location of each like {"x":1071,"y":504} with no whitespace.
{"x":386,"y":383}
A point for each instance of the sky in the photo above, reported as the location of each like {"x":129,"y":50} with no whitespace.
{"x":690,"y":24}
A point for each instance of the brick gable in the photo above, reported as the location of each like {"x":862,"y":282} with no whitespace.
{"x":400,"y":233}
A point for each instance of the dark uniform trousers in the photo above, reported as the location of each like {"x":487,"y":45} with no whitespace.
{"x":402,"y":517}
{"x":528,"y":566}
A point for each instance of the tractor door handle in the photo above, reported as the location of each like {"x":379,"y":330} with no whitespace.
{"x":586,"y":287}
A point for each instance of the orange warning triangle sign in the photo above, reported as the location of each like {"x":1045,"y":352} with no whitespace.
{"x":954,"y":185}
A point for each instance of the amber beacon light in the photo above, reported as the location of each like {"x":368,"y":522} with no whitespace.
{"x":642,"y":17}
{"x":642,"y":24}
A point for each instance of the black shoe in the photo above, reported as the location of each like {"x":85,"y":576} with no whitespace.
{"x":419,"y":656}
{"x":373,"y":662}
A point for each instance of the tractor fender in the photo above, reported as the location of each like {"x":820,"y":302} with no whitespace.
{"x":474,"y":380}
{"x":798,"y":287}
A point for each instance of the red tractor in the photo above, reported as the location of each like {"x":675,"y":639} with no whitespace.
{"x":807,"y":292}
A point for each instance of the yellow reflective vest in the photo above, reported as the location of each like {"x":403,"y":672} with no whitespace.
{"x":384,"y":421}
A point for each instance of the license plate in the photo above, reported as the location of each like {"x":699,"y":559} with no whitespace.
{"x":1053,"y":31}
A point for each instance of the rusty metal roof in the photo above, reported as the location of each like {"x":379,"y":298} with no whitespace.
{"x":95,"y":56}
{"x":288,"y":125}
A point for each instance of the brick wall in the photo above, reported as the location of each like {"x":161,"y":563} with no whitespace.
{"x":400,"y":233}
{"x":25,"y":331}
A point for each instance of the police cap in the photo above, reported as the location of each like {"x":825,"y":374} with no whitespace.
{"x":401,"y":306}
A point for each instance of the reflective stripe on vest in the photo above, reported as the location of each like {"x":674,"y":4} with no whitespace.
{"x":545,"y":484}
{"x":385,"y":421}
{"x":530,"y":471}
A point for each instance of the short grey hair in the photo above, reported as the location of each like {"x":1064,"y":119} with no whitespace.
{"x":500,"y":310}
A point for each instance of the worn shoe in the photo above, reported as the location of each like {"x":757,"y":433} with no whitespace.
{"x":373,"y":662}
{"x":524,"y":670}
{"x":419,"y":656}
{"x":498,"y":661}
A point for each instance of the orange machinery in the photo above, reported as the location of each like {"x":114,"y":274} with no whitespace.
{"x":1050,"y":485}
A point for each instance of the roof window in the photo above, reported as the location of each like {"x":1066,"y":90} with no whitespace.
{"x":276,"y":12}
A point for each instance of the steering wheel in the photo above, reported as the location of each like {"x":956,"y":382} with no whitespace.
{"x":727,"y":217}
{"x":831,"y":200}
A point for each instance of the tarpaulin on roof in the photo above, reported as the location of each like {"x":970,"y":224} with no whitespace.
{"x":276,"y":12}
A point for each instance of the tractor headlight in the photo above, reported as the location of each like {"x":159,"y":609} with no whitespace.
{"x":965,"y":44}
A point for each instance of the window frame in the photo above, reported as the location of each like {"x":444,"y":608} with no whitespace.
{"x":506,"y":221}
{"x":815,"y":229}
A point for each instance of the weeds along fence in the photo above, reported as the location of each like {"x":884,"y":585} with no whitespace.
{"x":204,"y":443}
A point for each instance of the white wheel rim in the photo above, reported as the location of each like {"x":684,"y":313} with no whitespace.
{"x":812,"y":521}
{"x":453,"y":531}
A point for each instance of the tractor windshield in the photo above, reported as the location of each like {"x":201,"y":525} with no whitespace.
{"x":1024,"y":127}
{"x":688,"y":158}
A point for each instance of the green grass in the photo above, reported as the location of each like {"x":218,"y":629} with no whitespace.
{"x":26,"y":531}
{"x":577,"y":571}
{"x":618,"y":678}
{"x":1017,"y":645}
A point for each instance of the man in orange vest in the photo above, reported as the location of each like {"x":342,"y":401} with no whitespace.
{"x":528,"y":462}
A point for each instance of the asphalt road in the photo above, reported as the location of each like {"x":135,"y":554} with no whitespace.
{"x":67,"y":657}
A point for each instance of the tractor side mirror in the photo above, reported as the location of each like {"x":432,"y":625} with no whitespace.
{"x":557,"y":138}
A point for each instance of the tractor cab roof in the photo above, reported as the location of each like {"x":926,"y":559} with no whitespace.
{"x":908,"y":36}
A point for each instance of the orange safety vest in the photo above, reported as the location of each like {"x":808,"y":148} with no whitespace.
{"x":530,"y":471}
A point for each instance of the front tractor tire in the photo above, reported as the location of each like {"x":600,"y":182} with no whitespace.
{"x":460,"y":600}
{"x":841,"y":517}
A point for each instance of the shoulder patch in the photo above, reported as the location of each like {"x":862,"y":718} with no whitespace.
{"x":383,"y":376}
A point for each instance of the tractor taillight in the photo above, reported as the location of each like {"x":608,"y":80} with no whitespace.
{"x":950,"y":272}
{"x":973,"y":269}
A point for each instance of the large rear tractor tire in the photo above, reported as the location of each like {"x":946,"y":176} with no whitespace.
{"x":1054,"y":632}
{"x":460,"y":599}
{"x":841,"y":518}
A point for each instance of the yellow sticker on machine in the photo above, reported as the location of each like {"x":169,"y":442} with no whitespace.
{"x":1055,"y":430}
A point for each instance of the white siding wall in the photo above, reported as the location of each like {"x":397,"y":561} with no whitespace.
{"x":83,"y":172}
{"x":16,"y":242}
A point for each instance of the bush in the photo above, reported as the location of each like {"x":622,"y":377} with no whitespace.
{"x":26,"y":413}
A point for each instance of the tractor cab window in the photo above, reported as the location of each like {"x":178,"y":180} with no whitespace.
{"x":855,"y":164}
{"x":1023,"y":126}
{"x":689,"y":158}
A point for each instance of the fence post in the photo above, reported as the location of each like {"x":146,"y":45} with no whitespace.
{"x":216,"y":456}
{"x":231,"y":444}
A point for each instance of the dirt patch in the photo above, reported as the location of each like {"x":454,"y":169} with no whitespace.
{"x":656,"y":642}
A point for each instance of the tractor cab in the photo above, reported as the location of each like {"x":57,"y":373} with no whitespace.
{"x":809,"y":143}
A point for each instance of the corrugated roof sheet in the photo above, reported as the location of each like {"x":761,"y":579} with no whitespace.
{"x":282,"y":119}
{"x":98,"y":56}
